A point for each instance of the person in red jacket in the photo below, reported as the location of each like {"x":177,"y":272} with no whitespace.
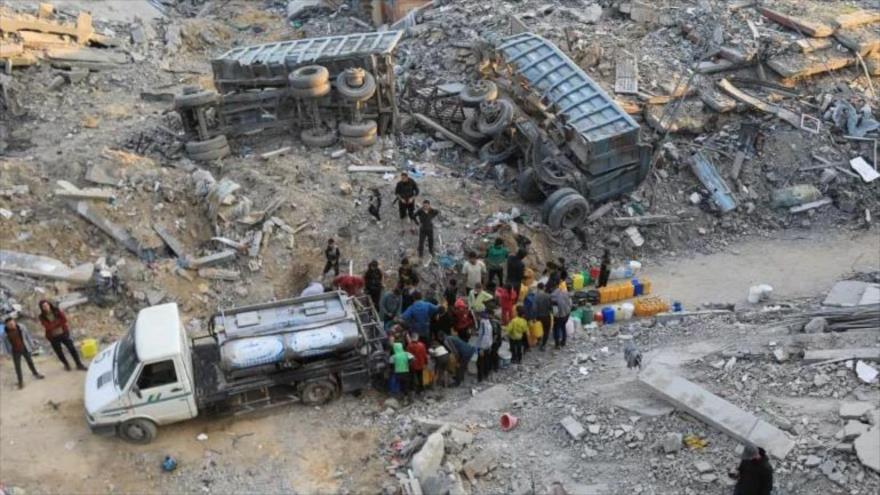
{"x":58,"y":332}
{"x":418,"y":364}
{"x":506,"y":298}
{"x":351,"y":284}
{"x":463,"y":320}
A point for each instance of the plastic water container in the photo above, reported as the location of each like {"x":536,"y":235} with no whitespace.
{"x":594,"y":273}
{"x":758,"y":293}
{"x":627,"y":309}
{"x":618,"y":272}
{"x":608,"y":315}
{"x":635,"y":266}
{"x":598,"y":317}
{"x":676,"y":307}
{"x":577,"y":281}
{"x":638,"y":288}
{"x":88,"y":348}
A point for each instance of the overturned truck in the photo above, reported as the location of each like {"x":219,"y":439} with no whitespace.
{"x":578,"y":146}
{"x":324,"y":88}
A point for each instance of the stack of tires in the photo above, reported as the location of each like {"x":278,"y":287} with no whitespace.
{"x":357,"y":86}
{"x":191,"y":105}
{"x":486,"y":126}
{"x":310,"y":83}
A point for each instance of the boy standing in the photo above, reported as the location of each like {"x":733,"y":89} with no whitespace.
{"x":331,"y":254}
{"x":419,"y":362}
{"x":516,"y":331}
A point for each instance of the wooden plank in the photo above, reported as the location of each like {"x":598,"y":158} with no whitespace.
{"x":857,"y":18}
{"x":371,"y":168}
{"x":41,"y":41}
{"x":716,"y":100}
{"x":809,"y":45}
{"x":800,"y":65}
{"x":274,"y":153}
{"x":783,"y":113}
{"x":810,"y":28}
{"x":862,"y":40}
{"x":626,"y":75}
{"x":172,"y":242}
{"x":811,"y":205}
{"x":10,"y":49}
{"x":455,"y":138}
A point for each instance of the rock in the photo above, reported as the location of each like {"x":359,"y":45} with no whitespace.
{"x":201,"y":437}
{"x":866,"y":449}
{"x":816,"y":325}
{"x":345,"y":189}
{"x":829,"y":469}
{"x":591,"y":14}
{"x":780,"y":356}
{"x":594,"y":429}
{"x":590,"y":453}
{"x":855,"y":410}
{"x":428,"y":459}
{"x":866,"y":372}
{"x":820,"y":380}
{"x":854,"y":429}
{"x":440,"y":485}
{"x":459,"y":440}
{"x":392,"y":403}
{"x":730,"y":364}
{"x":573,"y":427}
{"x":703,"y":467}
{"x":672,"y":443}
{"x":708,"y":478}
{"x":337,"y":153}
{"x":695,"y":198}
{"x":812,"y":461}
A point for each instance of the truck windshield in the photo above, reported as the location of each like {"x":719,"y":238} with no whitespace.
{"x":126,"y":359}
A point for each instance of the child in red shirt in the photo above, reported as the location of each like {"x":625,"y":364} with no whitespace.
{"x":506,"y":298}
{"x":419,"y":362}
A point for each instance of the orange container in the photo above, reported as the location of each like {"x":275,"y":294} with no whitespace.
{"x":628,"y":291}
{"x":646,"y":286}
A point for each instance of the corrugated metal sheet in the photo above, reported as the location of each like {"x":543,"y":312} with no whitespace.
{"x":296,"y":52}
{"x":586,"y":107}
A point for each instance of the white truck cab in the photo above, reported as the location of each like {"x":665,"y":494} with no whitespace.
{"x":144,"y":379}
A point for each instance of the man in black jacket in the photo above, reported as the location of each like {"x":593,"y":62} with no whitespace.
{"x":331,"y":254}
{"x":516,"y":270}
{"x":755,"y":474}
{"x":406,"y":191}
{"x":425,"y":219}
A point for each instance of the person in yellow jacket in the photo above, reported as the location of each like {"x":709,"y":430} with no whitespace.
{"x":516,"y":332}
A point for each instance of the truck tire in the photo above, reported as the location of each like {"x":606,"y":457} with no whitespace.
{"x":357,"y":129}
{"x":527,"y":186}
{"x":317,"y":138}
{"x":360,"y":93}
{"x":551,"y":201}
{"x":318,"y":391}
{"x":490,"y":153}
{"x":210,"y":155}
{"x":197,"y":99}
{"x":569,"y":212}
{"x":477,"y":92}
{"x":495,"y":117}
{"x":470,"y":132}
{"x":309,"y":76}
{"x":140,"y":431}
{"x":359,"y":142}
{"x":315,"y":92}
{"x":216,"y":142}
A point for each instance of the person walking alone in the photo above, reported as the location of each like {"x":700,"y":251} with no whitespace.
{"x":406,"y":191}
{"x":425,"y":219}
{"x":373,"y":282}
{"x":54,"y":322}
{"x":331,"y":254}
{"x":17,"y":341}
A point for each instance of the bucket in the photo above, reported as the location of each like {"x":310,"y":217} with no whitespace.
{"x":504,"y":358}
{"x":635,"y":266}
{"x":608,"y":315}
{"x":88,"y":348}
{"x":598,"y":317}
{"x":577,"y":281}
{"x":627,"y":309}
{"x":508,"y":422}
{"x":755,"y":294}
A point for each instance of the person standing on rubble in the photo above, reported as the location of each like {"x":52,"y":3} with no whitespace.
{"x":462,"y":319}
{"x":54,"y":321}
{"x":477,"y":299}
{"x":463,"y":353}
{"x":373,"y":282}
{"x":400,"y":359}
{"x":755,"y":474}
{"x":389,"y":307}
{"x":484,"y":344}
{"x":516,"y":334}
{"x":441,"y":323}
{"x":604,"y":269}
{"x":496,"y":256}
{"x":543,"y":308}
{"x":506,"y":298}
{"x":561,"y":310}
{"x":406,"y":191}
{"x":425,"y":219}
{"x":406,"y":274}
{"x":18,"y":343}
{"x":418,"y":316}
{"x":420,"y":361}
{"x":516,"y":270}
{"x":473,"y":270}
{"x":451,"y":292}
{"x":331,"y":254}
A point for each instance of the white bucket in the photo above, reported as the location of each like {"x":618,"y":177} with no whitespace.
{"x":758,"y":293}
{"x":627,"y":310}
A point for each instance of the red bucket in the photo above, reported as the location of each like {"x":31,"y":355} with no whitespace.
{"x":508,"y":422}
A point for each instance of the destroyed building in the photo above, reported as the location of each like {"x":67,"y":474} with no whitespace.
{"x":201,"y":152}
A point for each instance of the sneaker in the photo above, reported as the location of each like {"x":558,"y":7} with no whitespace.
{"x":39,"y":376}
{"x":81,"y":367}
{"x":20,"y":386}
{"x":66,"y":367}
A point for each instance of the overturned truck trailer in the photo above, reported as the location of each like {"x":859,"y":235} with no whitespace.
{"x":579,"y":146}
{"x":324,"y":88}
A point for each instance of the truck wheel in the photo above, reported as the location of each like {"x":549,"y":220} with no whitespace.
{"x":359,"y":142}
{"x":551,"y":201}
{"x":139,"y":431}
{"x":527,"y":186}
{"x":357,"y":129}
{"x":196,"y":99}
{"x":317,"y":138}
{"x":317,"y":392}
{"x":470,"y":132}
{"x":315,"y":92}
{"x":310,"y":76}
{"x":212,"y":151}
{"x":356,"y":93}
{"x":490,"y":153}
{"x":495,"y":116}
{"x":569,"y":212}
{"x":475,"y":93}
{"x":216,"y":142}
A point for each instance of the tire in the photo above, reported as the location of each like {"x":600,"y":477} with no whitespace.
{"x":318,"y":391}
{"x":197,"y":99}
{"x":316,"y":138}
{"x":569,"y":212}
{"x":309,"y":76}
{"x":211,"y":155}
{"x":138,"y":431}
{"x":470,"y":132}
{"x":216,"y":142}
{"x":495,"y":117}
{"x":475,"y":93}
{"x":527,"y":186}
{"x":315,"y":92}
{"x":489,"y":154}
{"x":361,"y":93}
{"x":357,"y":129}
{"x":360,"y":142}
{"x":551,"y":201}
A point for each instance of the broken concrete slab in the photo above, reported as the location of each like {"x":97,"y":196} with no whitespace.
{"x":70,"y":191}
{"x":742,"y":425}
{"x":213,"y":259}
{"x":101,"y":173}
{"x":170,"y":241}
{"x":672,"y":443}
{"x":867,"y":448}
{"x":865,"y":353}
{"x":857,"y":18}
{"x":648,"y":407}
{"x":690,"y":117}
{"x":866,"y":372}
{"x":44,"y":267}
{"x":856,"y":410}
{"x":854,"y":429}
{"x":811,"y":28}
{"x":115,"y":231}
{"x":846,"y":293}
{"x":573,"y":427}
{"x":426,"y":462}
{"x":493,"y":399}
{"x":862,"y":40}
{"x":716,"y":100}
{"x":219,"y":274}
{"x":793,"y":65}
